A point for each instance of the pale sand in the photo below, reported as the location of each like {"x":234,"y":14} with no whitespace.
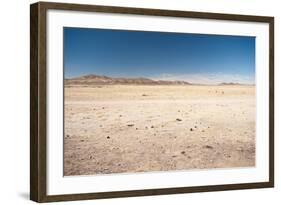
{"x":127,"y":128}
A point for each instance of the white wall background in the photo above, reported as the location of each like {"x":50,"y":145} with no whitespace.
{"x":14,"y":101}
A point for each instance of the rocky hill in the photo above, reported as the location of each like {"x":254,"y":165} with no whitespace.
{"x":105,"y":80}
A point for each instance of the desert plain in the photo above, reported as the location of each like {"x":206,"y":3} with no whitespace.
{"x":143,"y":128}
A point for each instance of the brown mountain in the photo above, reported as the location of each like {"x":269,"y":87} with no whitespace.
{"x":231,"y":83}
{"x":105,"y":80}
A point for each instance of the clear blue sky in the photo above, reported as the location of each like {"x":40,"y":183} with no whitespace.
{"x":159,"y":55}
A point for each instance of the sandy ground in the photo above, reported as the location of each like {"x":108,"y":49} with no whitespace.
{"x":127,"y":128}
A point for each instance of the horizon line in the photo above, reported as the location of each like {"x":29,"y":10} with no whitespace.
{"x":226,"y":82}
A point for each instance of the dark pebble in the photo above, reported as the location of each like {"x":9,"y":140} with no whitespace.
{"x":208,"y":147}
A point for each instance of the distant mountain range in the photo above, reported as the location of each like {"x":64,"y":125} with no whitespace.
{"x":105,"y":80}
{"x":230,"y":84}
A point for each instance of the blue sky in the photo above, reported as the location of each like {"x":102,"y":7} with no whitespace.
{"x":197,"y":58}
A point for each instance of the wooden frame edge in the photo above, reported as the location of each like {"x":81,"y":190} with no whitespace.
{"x":38,"y":101}
{"x":153,"y":12}
{"x":271,"y":101}
{"x":155,"y":192}
{"x":34,"y":191}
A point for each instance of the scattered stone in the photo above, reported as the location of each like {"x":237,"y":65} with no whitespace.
{"x":120,"y":115}
{"x":195,"y":126}
{"x":203,"y":131}
{"x":144,"y":95}
{"x":152,"y":126}
{"x":174,"y":156}
{"x":191,"y":129}
{"x":178,"y":119}
{"x":183,"y":152}
{"x":67,"y":135}
{"x":178,"y":110}
{"x":82,"y":140}
{"x":146,"y":127}
{"x":208,"y":147}
{"x":240,"y":149}
{"x":136,"y":128}
{"x":130,"y":125}
{"x":102,"y":107}
{"x":108,"y":137}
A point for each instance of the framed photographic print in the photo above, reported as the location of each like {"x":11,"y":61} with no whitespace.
{"x":134,"y":102}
